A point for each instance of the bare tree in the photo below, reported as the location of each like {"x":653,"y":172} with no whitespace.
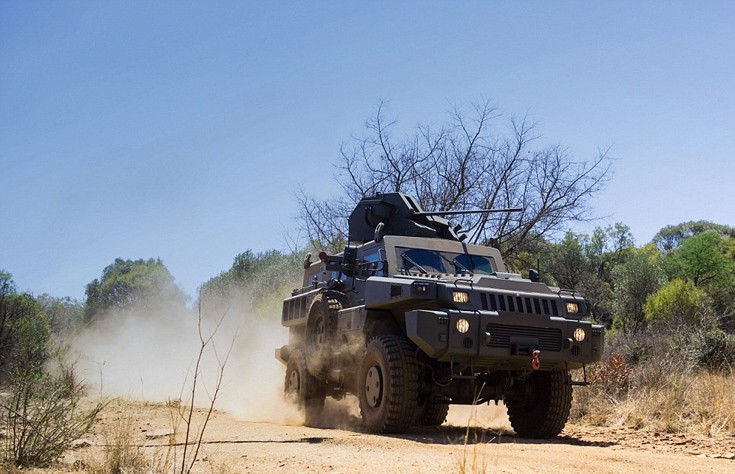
{"x":467,"y":163}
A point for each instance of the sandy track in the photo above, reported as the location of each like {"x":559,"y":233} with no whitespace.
{"x":233,"y":445}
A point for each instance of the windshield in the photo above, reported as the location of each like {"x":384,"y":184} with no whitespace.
{"x":433,"y":261}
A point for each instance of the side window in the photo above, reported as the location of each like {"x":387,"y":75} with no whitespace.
{"x":338,"y":275}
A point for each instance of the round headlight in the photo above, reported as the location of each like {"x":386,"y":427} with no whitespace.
{"x":579,"y":334}
{"x":463,"y":325}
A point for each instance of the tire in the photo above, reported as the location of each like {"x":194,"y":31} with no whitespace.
{"x":434,"y":410}
{"x":387,"y":384}
{"x":321,"y":332}
{"x":539,"y":406}
{"x":303,"y":389}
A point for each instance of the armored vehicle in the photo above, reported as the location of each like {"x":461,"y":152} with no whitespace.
{"x":409,"y":318}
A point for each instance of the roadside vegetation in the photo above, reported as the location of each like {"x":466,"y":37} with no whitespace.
{"x":40,"y":397}
{"x":670,"y":357}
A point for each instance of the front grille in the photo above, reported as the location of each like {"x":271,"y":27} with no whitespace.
{"x":517,"y":304}
{"x":294,"y":308}
{"x":549,"y":339}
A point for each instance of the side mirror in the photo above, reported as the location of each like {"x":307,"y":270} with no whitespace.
{"x":533,"y":275}
{"x":349,"y":261}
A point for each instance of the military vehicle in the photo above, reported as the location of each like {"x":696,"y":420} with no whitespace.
{"x":410,"y":318}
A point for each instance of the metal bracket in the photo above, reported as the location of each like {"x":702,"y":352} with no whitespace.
{"x":580,"y":383}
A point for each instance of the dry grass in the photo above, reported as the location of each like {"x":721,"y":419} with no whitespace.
{"x":657,"y":397}
{"x":127,"y":450}
{"x":474,"y":455}
{"x":122,"y":453}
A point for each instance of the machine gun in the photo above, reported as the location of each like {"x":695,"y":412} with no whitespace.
{"x":399,"y":214}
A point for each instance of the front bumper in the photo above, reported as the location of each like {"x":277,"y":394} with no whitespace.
{"x":498,"y":341}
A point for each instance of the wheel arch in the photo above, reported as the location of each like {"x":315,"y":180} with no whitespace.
{"x":378,"y":322}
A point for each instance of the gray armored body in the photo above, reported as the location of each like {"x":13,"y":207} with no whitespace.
{"x":409,"y":318}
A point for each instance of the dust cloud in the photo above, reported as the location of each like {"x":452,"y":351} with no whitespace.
{"x":150,"y":354}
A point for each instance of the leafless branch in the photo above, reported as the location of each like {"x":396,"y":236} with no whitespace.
{"x":466,"y":163}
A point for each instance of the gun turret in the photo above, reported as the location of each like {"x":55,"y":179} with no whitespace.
{"x":399,"y":214}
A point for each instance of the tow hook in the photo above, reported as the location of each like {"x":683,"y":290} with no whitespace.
{"x":535,"y":361}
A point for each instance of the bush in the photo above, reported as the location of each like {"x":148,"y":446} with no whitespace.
{"x":24,"y":331}
{"x":663,"y":381}
{"x":41,"y":417}
{"x":613,"y":376}
{"x":633,"y":281}
{"x":679,"y":304}
{"x":712,"y":350}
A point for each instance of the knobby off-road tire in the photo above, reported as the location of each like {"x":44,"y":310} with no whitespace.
{"x":433,"y":411}
{"x":539,"y":406}
{"x":387,"y":384}
{"x":321,"y":332}
{"x":304,"y":389}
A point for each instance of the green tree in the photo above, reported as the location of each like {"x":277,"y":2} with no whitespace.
{"x":568,"y":263}
{"x":670,"y":237}
{"x":608,"y":247}
{"x":261,"y":277}
{"x":585,"y":263}
{"x":64,"y":314}
{"x":678,"y":305}
{"x":703,"y":259}
{"x":707,"y":260}
{"x":723,"y":296}
{"x":24,"y":331}
{"x":133,"y":283}
{"x":633,"y":281}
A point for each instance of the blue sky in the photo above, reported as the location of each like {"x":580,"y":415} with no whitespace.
{"x":182,"y":130}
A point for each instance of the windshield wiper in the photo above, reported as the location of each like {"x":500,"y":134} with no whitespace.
{"x":412,"y":262}
{"x":456,"y":264}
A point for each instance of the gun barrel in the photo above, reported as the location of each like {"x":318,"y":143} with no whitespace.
{"x":475,"y":211}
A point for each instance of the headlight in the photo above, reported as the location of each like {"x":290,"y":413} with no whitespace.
{"x":572,"y":307}
{"x":463,"y":325}
{"x":579,"y":334}
{"x":460,"y":297}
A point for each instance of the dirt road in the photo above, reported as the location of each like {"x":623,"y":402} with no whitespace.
{"x":233,"y":446}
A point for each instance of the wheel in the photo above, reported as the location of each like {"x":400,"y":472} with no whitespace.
{"x":304,"y":389}
{"x":321,"y":331}
{"x":539,"y":406}
{"x":387,"y":384}
{"x":433,"y":411}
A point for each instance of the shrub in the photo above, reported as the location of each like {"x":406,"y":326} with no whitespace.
{"x":41,"y":417}
{"x":713,"y":350}
{"x":613,"y":376}
{"x":678,"y":304}
{"x":24,"y":331}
